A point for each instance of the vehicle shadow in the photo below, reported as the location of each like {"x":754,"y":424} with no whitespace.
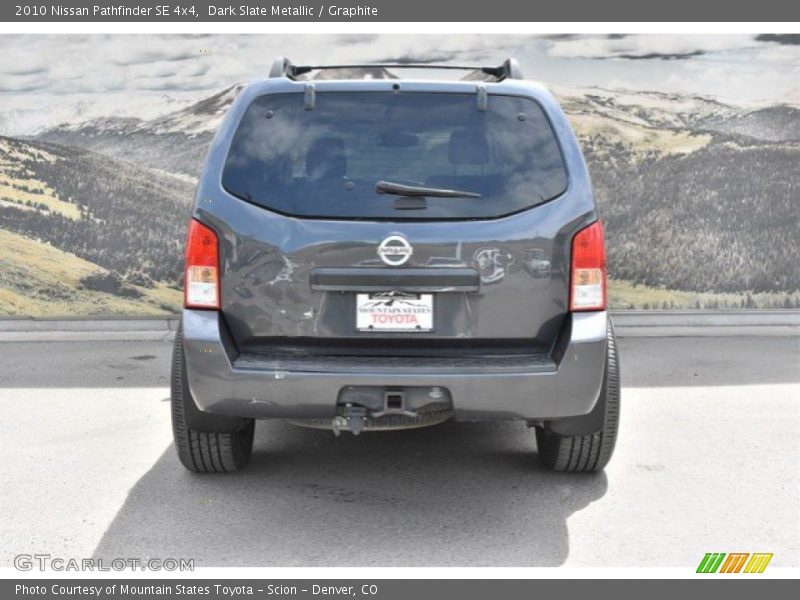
{"x":459,"y":494}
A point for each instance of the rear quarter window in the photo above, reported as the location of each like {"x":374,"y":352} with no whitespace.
{"x":326,"y":162}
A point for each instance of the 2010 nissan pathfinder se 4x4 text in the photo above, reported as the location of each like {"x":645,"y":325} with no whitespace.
{"x":371,"y":253}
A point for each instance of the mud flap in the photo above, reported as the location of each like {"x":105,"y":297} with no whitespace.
{"x":585,"y":424}
{"x":194,"y":417}
{"x":595,"y":420}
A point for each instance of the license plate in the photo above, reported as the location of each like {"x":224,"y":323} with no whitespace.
{"x":394,"y":311}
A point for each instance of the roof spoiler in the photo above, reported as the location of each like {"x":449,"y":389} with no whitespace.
{"x":509,"y":69}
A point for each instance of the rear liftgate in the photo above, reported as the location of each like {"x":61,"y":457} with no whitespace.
{"x":381,"y":293}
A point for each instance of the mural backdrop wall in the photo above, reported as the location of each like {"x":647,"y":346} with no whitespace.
{"x":693,"y":143}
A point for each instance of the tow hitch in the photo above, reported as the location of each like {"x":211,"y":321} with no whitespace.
{"x":378,"y":408}
{"x":352,"y":419}
{"x":356,"y":417}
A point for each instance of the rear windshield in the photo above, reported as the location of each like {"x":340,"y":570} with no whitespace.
{"x":326,"y":161}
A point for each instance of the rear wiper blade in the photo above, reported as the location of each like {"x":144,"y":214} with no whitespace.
{"x":389,"y":187}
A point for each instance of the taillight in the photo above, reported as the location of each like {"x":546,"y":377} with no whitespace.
{"x":201,"y":274}
{"x":588,"y":273}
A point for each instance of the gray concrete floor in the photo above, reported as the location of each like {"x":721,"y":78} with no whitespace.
{"x":707,"y":460}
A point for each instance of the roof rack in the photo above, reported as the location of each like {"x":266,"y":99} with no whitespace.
{"x":509,"y":69}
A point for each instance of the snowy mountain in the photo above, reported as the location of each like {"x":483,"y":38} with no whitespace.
{"x":651,"y":109}
{"x":34,"y":117}
{"x":200,"y":118}
{"x":176,"y":142}
{"x":772,"y":124}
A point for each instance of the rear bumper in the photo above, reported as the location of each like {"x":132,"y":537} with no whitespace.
{"x":562,"y":385}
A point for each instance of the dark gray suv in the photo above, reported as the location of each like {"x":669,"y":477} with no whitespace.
{"x":372,"y":253}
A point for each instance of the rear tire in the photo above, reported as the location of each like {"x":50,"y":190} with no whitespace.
{"x":205,"y":443}
{"x":587,"y":453}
